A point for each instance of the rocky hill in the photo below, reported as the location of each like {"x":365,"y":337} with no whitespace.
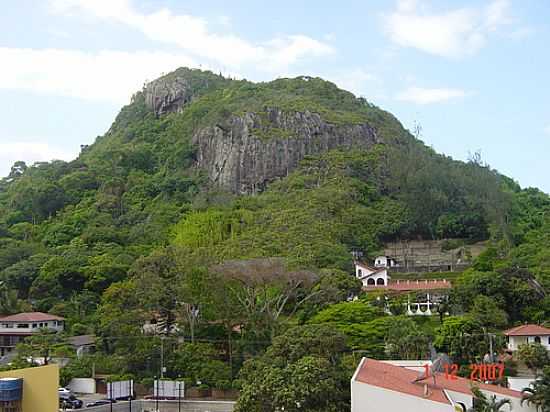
{"x":329,"y":173}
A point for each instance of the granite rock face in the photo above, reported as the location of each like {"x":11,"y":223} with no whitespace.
{"x":164,"y":97}
{"x":247,"y":152}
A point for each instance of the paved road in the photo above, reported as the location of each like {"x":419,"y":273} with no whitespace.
{"x":165,"y":406}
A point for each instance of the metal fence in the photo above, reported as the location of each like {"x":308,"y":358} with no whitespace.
{"x":165,"y":406}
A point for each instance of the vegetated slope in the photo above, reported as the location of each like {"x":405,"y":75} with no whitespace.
{"x":327,"y":173}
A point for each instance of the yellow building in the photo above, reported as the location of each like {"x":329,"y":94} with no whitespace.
{"x":40,"y":388}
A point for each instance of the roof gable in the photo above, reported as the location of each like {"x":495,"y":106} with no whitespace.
{"x":30,"y":317}
{"x":399,"y":379}
{"x":528,"y":330}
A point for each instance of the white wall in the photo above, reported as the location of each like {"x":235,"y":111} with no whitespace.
{"x":368,"y":398}
{"x":515,"y":341}
{"x":519,"y":384}
{"x":82,"y":385}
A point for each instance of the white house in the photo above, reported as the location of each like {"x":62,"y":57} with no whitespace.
{"x":14,"y":328}
{"x":371,"y":276}
{"x":527,"y":334}
{"x":377,"y":386}
{"x":385,"y":262}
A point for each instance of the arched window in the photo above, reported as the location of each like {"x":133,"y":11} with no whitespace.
{"x":359,"y":272}
{"x":370,"y":281}
{"x":537,"y":339}
{"x":380,"y":281}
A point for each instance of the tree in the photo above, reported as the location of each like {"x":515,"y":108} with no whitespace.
{"x":405,"y":340}
{"x":484,"y":404}
{"x":534,"y":355}
{"x":265,"y":289}
{"x":488,"y":314}
{"x":538,"y":394}
{"x":464,"y":339}
{"x":45,"y":344}
{"x":301,"y":371}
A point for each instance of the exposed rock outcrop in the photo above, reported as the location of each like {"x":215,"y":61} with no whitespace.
{"x":162,"y":96}
{"x":246,"y":152}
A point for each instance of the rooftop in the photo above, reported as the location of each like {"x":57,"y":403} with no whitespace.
{"x":400,"y":379}
{"x":30,"y":317}
{"x":527,"y":330}
{"x":419,"y":284}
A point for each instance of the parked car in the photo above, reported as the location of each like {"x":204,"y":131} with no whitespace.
{"x":64,"y":392}
{"x":100,"y":402}
{"x":71,"y":402}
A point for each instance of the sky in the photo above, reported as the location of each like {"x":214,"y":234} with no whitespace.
{"x":472,"y":74}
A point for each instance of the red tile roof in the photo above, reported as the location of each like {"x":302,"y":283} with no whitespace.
{"x":399,"y":379}
{"x":419,"y":284}
{"x":30,"y":317}
{"x":527,"y":330}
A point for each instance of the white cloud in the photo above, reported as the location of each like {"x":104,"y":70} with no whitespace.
{"x":421,"y":95}
{"x":192,"y":34}
{"x":30,"y":152}
{"x":355,"y":80}
{"x":455,"y":33}
{"x":106,"y":75}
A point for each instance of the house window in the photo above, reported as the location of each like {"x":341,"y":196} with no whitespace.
{"x":380,"y":281}
{"x":370,"y":281}
{"x":22,"y":325}
{"x":537,"y":339}
{"x":34,"y":325}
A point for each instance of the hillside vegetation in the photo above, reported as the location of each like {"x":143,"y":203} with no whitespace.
{"x":133,"y":229}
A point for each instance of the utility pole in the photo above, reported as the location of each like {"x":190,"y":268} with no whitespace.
{"x":156,"y":393}
{"x":179,"y":393}
{"x":162,"y":357}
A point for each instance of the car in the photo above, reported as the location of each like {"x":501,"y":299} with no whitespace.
{"x":64,"y":392}
{"x":70,"y":402}
{"x":100,"y":402}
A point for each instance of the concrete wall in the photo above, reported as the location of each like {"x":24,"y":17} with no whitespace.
{"x":40,"y":386}
{"x":167,"y":406}
{"x":519,"y":384}
{"x":82,"y":385}
{"x":368,"y":398}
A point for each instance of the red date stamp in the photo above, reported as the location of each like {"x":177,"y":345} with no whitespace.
{"x":479,"y":371}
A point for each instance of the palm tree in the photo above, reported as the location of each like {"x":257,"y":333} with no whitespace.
{"x":482,"y":403}
{"x":539,"y":394}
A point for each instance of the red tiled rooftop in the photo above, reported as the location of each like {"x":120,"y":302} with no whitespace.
{"x":527,"y":330}
{"x":399,"y":379}
{"x":419,"y":284}
{"x":30,"y":317}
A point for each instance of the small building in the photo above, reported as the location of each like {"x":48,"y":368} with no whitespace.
{"x":377,"y":385}
{"x":82,"y":344}
{"x":371,"y":276}
{"x":15,"y":328}
{"x":529,"y":333}
{"x":385,"y":262}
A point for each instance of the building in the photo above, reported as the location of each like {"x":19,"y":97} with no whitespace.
{"x":385,"y":262}
{"x":30,"y":389}
{"x":83,"y":344}
{"x":378,"y":278}
{"x":377,"y":385}
{"x":372,"y":276}
{"x":15,"y":328}
{"x":527,"y":334}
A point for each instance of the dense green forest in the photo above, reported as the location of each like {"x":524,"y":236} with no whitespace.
{"x":132,"y":230}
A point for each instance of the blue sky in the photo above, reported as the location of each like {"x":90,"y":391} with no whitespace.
{"x":473,"y":74}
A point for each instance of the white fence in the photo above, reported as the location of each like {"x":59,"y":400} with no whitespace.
{"x":169,"y":389}
{"x":120,"y":389}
